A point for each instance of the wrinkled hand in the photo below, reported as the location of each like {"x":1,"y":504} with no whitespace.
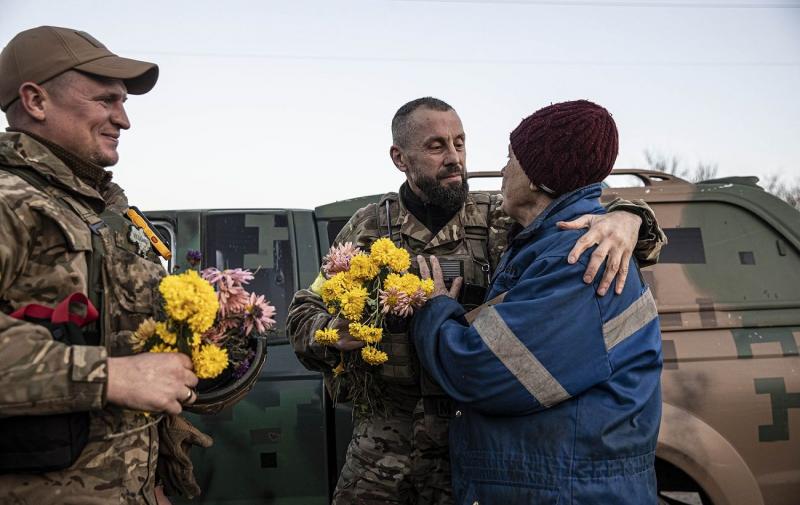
{"x":346,"y":341}
{"x":435,"y":273}
{"x":152,"y":382}
{"x":616,"y":234}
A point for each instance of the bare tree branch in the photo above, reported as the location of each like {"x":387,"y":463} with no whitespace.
{"x":667,"y":164}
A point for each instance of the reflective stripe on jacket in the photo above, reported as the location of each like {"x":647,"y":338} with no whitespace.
{"x":557,"y":388}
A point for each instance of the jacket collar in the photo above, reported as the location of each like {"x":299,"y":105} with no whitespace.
{"x":469,"y":215}
{"x":20,"y":150}
{"x":566,"y":207}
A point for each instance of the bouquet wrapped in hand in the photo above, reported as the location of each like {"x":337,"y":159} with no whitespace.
{"x":366,"y":289}
{"x":210,"y":317}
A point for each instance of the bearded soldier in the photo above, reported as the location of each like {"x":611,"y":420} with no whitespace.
{"x":399,"y":451}
{"x":79,"y":413}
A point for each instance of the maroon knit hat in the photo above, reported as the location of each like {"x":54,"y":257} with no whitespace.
{"x":566,"y":146}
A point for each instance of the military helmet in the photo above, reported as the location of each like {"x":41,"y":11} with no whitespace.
{"x":214,"y":395}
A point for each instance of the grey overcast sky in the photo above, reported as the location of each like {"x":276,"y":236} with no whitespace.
{"x":288,"y":103}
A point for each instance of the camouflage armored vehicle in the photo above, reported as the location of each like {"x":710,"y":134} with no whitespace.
{"x":728,"y":293}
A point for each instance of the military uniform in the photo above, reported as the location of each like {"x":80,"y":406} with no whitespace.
{"x":48,"y":239}
{"x":403,"y":457}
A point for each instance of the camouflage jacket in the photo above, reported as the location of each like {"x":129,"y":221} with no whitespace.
{"x":307,"y":312}
{"x":45,"y":243}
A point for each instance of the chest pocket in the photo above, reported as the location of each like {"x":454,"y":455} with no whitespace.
{"x":130,"y":279}
{"x":60,"y":249}
{"x":76,"y":235}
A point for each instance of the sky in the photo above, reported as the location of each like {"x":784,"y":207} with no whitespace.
{"x":271,"y":104}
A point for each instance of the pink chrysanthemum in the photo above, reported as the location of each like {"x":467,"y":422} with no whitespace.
{"x":394,"y":301}
{"x":228,"y":278}
{"x":233,"y":301}
{"x":258,"y":315}
{"x":417,"y":299}
{"x":216,"y":335}
{"x":338,"y":258}
{"x":232,"y":297}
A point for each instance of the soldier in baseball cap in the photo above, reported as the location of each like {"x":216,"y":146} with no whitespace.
{"x":109,"y":415}
{"x":39,"y":54}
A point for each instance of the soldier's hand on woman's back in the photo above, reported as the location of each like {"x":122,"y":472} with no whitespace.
{"x":615,"y":234}
{"x":435,"y":273}
{"x":152,"y":382}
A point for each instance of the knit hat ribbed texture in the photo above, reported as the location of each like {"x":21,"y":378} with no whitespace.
{"x":566,"y":146}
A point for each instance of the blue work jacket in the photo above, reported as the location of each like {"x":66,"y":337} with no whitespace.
{"x":556,"y":388}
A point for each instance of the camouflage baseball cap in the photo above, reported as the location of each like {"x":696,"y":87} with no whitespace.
{"x":39,"y":54}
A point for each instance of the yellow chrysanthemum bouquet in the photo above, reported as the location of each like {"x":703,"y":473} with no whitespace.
{"x":213,"y":319}
{"x":190,"y":307}
{"x":365,"y":289}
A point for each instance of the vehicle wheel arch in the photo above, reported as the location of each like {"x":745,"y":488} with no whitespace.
{"x":691,"y":445}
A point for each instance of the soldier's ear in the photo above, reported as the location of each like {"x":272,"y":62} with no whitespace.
{"x":398,"y":158}
{"x":32,"y":98}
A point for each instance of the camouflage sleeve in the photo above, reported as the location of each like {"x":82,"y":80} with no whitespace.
{"x":37,"y":374}
{"x":307,"y":313}
{"x":651,"y":236}
{"x":499,"y":225}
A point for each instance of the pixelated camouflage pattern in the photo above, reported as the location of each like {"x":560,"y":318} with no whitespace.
{"x":307,"y":313}
{"x":44,"y":248}
{"x":731,"y":334}
{"x":380,"y":466}
{"x":390,"y":458}
{"x":403,"y":459}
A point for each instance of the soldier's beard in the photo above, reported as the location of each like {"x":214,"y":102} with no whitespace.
{"x":450,"y":197}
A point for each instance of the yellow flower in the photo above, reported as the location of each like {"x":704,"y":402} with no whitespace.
{"x":407,"y":283}
{"x":188,"y":297}
{"x":384,"y":253}
{"x":361,"y":268}
{"x":167,"y":336}
{"x":373,"y":356}
{"x":209,"y":361}
{"x":145,"y":330}
{"x":336,"y":286}
{"x":381,"y":250}
{"x":399,"y":260}
{"x":365,"y":333}
{"x":327,"y":336}
{"x":427,"y":287}
{"x":353,"y":303}
{"x":163,"y":348}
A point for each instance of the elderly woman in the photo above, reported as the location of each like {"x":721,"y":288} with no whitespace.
{"x":556,"y":388}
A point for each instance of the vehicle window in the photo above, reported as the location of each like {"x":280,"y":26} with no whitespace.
{"x":623,"y":181}
{"x":166,"y":233}
{"x":722,"y":254}
{"x":334,"y":227}
{"x":684,"y":245}
{"x":258,"y":241}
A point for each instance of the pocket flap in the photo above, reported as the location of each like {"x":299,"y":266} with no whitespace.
{"x":76,"y":232}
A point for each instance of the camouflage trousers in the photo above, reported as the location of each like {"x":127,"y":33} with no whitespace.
{"x":403,"y":460}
